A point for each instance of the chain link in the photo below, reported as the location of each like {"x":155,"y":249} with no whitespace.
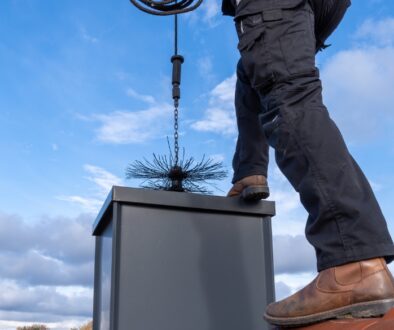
{"x":176,"y":135}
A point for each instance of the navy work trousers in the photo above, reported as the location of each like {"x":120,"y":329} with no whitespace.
{"x":279,"y":104}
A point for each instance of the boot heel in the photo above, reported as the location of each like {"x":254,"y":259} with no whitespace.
{"x":255,"y":193}
{"x":372,"y":309}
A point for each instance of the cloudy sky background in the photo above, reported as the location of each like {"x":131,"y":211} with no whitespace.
{"x":84,"y":90}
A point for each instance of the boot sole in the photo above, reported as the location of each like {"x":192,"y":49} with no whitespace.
{"x":255,"y":193}
{"x":360,"y":310}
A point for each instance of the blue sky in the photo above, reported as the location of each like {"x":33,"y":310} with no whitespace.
{"x":85,"y":89}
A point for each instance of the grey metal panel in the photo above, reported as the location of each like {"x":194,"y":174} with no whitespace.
{"x":116,"y":250}
{"x":268,"y":258}
{"x":97,"y":283}
{"x":193,"y":202}
{"x":103,"y":279}
{"x":192,"y":270}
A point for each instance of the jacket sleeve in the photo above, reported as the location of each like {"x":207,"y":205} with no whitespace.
{"x":228,"y":8}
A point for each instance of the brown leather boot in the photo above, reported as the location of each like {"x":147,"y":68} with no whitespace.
{"x":358,"y":289}
{"x":252,"y":187}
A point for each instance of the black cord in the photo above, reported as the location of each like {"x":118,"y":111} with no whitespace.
{"x":171,"y":7}
{"x":166,"y":7}
{"x":176,"y":34}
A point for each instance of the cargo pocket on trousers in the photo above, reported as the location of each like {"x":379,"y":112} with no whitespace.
{"x":248,"y":39}
{"x":251,"y":50}
{"x":298,"y":44}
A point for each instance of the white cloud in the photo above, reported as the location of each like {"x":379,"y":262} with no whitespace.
{"x":102,"y":178}
{"x":376,"y":187}
{"x":103,"y":181}
{"x":224,"y":92}
{"x":53,"y":243}
{"x":51,"y":272}
{"x":44,"y":300}
{"x":46,"y":274}
{"x":219,"y":117}
{"x":293,"y":282}
{"x":288,"y":227}
{"x":391,"y":267}
{"x":13,"y":225}
{"x":145,"y":98}
{"x":211,"y":11}
{"x":208,"y":15}
{"x":358,"y":83}
{"x":290,"y":215}
{"x":379,"y":33}
{"x":124,"y":127}
{"x":286,"y":200}
{"x":86,"y":36}
{"x":216,"y":120}
{"x":205,"y":67}
{"x":91,"y":205}
{"x":293,"y":254}
{"x":217,"y":157}
{"x":282,"y":290}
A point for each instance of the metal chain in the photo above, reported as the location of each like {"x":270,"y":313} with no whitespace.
{"x":176,"y":100}
{"x":176,"y":135}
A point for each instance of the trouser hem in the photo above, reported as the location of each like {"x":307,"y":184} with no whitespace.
{"x":385,"y":251}
{"x":246,"y":173}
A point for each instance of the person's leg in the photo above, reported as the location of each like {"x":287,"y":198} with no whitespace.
{"x":251,"y":154}
{"x":345,"y":223}
{"x":250,"y":161}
